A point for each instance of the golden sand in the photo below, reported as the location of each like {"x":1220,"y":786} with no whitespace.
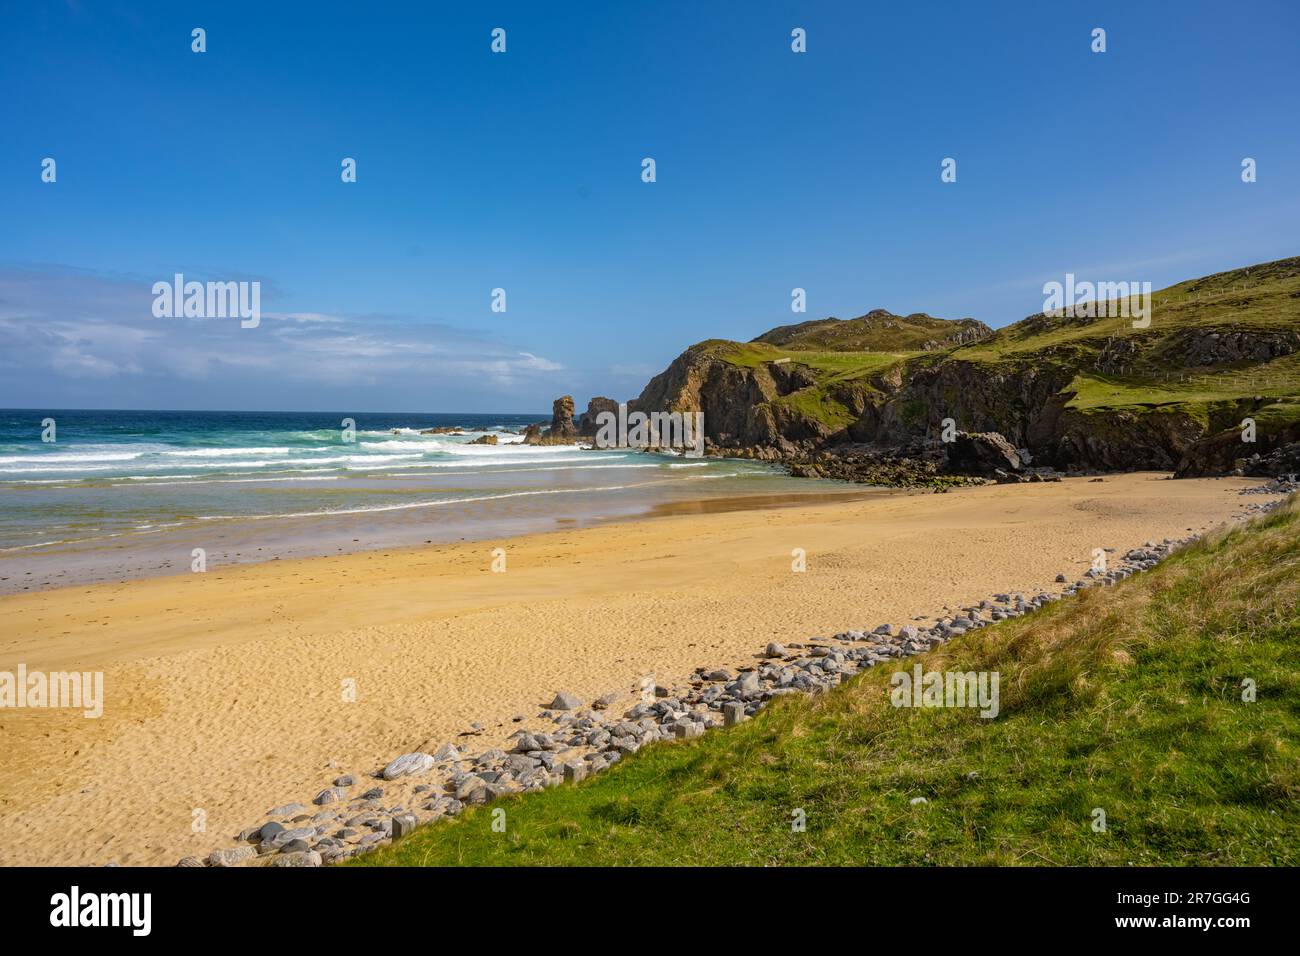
{"x":224,"y":690}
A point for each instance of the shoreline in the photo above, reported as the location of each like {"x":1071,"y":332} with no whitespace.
{"x":166,"y":550}
{"x":223,"y":688}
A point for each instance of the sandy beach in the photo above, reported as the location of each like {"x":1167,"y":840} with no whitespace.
{"x":223,"y":690}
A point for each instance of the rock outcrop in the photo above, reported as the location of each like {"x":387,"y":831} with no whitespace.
{"x":982,"y":453}
{"x":587,"y":421}
{"x":562,"y":418}
{"x":869,"y":397}
{"x":1077,"y":393}
{"x":562,"y":430}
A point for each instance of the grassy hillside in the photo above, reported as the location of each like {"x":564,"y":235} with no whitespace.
{"x":1120,"y":367}
{"x":877,"y":331}
{"x":1126,"y":699}
{"x":1259,"y":298}
{"x":844,"y":356}
{"x":1217,"y":348}
{"x":835,"y":375}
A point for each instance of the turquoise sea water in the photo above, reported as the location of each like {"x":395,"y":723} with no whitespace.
{"x":130,"y":493}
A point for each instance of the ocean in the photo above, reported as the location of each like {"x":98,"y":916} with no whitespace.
{"x":122,"y":494}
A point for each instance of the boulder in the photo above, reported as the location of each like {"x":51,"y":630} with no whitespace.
{"x":587,"y":421}
{"x":408,"y":765}
{"x":982,"y":453}
{"x":232,"y":857}
{"x":565,"y":701}
{"x":446,"y":752}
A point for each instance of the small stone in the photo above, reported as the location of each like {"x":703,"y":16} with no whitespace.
{"x":332,"y":795}
{"x":574,"y":772}
{"x":231,"y":857}
{"x":270,"y":830}
{"x":565,"y":701}
{"x":747,"y":684}
{"x":191,"y":861}
{"x":917,"y":801}
{"x":344,"y":781}
{"x":775,"y":650}
{"x":445,"y":753}
{"x":408,"y":765}
{"x":298,"y":859}
{"x":403,"y":825}
{"x":733,"y":712}
{"x":468,"y":786}
{"x":288,"y":810}
{"x":525,"y":743}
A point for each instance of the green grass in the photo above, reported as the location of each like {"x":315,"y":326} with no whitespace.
{"x":841,"y":366}
{"x":831,"y":370}
{"x":835,"y":365}
{"x":1257,"y":298}
{"x":818,"y":404}
{"x":1126,"y":699}
{"x":877,"y":331}
{"x":1155,"y":373}
{"x":1280,"y":377}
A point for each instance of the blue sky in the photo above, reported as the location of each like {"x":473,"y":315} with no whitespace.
{"x":522,"y":171}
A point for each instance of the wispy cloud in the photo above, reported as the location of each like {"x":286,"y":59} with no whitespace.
{"x":70,"y":332}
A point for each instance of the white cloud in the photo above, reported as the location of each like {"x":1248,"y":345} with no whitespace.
{"x":66,"y":332}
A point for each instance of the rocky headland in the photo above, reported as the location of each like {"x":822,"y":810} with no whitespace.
{"x":1210,"y":387}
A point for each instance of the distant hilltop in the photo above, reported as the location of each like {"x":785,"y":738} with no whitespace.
{"x":1207,"y":383}
{"x":877,"y":331}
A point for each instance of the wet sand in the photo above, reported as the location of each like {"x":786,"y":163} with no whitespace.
{"x":224,"y":689}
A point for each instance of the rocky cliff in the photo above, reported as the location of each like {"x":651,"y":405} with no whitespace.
{"x":1075,"y":392}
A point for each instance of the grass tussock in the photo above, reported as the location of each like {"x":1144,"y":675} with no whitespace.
{"x":1125,"y":701}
